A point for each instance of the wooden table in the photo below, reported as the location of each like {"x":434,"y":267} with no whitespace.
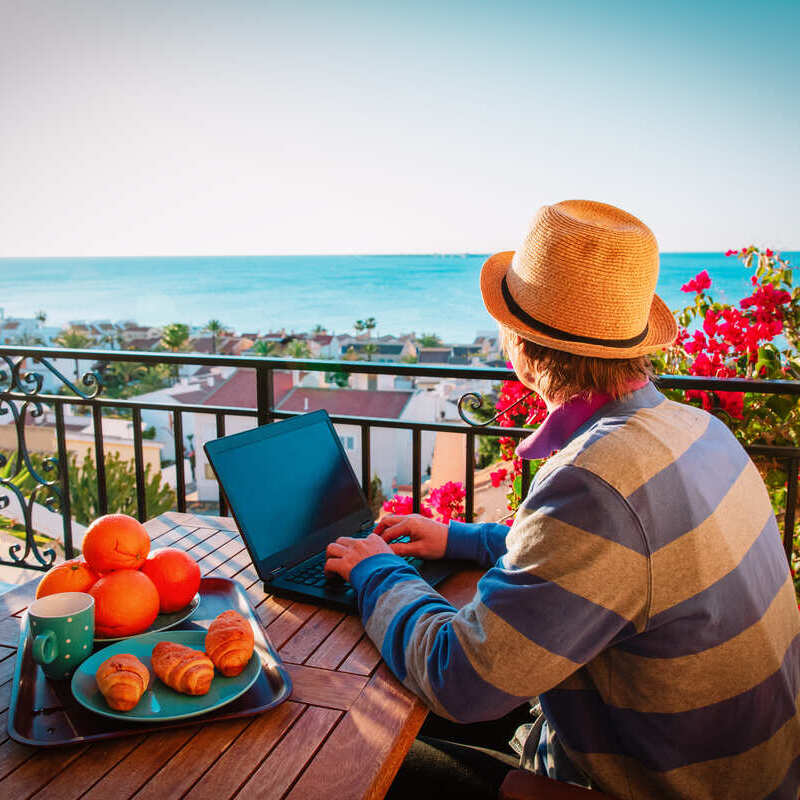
{"x":343,"y":733}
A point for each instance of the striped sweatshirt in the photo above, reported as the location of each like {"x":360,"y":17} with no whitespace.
{"x":642,"y":594}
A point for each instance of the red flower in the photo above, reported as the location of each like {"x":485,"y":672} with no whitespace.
{"x":404,"y":504}
{"x":498,"y":476}
{"x":769,"y":253}
{"x":699,"y":283}
{"x":448,"y":501}
{"x":731,"y":252}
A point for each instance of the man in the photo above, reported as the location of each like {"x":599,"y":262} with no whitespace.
{"x":642,"y":593}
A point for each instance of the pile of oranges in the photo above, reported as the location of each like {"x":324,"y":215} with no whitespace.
{"x":130,"y":585}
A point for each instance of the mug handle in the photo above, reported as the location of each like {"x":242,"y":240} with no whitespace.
{"x":45,"y":648}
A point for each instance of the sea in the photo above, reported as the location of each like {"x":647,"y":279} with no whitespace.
{"x":404,"y":293}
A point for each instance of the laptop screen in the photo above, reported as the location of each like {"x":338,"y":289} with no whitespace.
{"x":288,"y":483}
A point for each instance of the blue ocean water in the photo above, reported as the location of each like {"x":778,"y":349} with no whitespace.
{"x":421,"y":293}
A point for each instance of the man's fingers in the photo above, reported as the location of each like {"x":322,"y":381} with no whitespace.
{"x":405,"y":548}
{"x":400,"y":528}
{"x":335,"y":566}
{"x":386,"y":522}
{"x":335,"y":550}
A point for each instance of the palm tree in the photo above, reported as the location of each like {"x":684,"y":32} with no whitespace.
{"x":73,"y":339}
{"x":215,"y":328}
{"x":174,"y":338}
{"x":318,"y":329}
{"x":265,"y":348}
{"x":297,"y":348}
{"x":359,"y":326}
{"x":369,"y":324}
{"x":123,"y":373}
{"x":369,"y":349}
{"x":429,"y":340}
{"x":41,"y":316}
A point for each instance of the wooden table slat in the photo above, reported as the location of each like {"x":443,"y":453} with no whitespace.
{"x":338,"y":645}
{"x":7,"y":666}
{"x":382,"y":722}
{"x":133,"y":771}
{"x":287,"y":760}
{"x":220,"y":556}
{"x":5,"y":695}
{"x":310,"y":636}
{"x":270,"y":609}
{"x":89,"y":768}
{"x":246,"y":754}
{"x":238,"y":567}
{"x":18,"y":599}
{"x":188,"y":765}
{"x":9,"y":631}
{"x":12,"y":755}
{"x":363,"y":658}
{"x":323,"y":687}
{"x":38,"y":770}
{"x":289,"y":622}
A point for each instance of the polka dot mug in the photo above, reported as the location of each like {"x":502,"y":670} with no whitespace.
{"x":61,"y":631}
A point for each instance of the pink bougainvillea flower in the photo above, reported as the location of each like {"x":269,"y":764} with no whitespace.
{"x":770,"y":253}
{"x":498,"y":476}
{"x":731,"y":252}
{"x":699,"y":283}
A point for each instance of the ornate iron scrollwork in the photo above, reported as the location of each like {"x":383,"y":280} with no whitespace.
{"x":475,"y":401}
{"x":20,"y":478}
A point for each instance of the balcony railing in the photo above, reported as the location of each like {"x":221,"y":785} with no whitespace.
{"x":21,"y":397}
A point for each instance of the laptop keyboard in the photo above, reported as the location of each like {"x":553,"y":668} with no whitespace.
{"x":311,"y":572}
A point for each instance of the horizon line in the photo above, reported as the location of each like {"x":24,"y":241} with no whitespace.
{"x":462,"y":253}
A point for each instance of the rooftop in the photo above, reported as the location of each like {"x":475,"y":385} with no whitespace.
{"x":347,"y":402}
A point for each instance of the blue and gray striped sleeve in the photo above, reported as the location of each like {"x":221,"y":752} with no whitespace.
{"x":569,"y":585}
{"x":483,"y":542}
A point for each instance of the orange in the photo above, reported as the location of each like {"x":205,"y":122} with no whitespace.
{"x":116,"y":541}
{"x":176,"y":576}
{"x":71,"y":576}
{"x":125,"y":602}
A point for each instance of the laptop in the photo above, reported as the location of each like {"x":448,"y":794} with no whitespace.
{"x":291,"y":490}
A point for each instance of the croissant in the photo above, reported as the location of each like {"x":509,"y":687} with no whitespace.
{"x":229,"y":643}
{"x":181,"y":668}
{"x":122,"y":680}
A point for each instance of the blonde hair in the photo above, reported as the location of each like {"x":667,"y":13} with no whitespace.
{"x":563,"y":375}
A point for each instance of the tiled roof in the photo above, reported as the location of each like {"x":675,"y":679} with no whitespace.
{"x":147,"y":343}
{"x":322,"y":338}
{"x":433,"y":355}
{"x":387,"y":349}
{"x":347,"y":402}
{"x":10,"y":326}
{"x":240,"y":389}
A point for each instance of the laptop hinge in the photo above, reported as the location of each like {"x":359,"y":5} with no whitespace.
{"x":274,"y":572}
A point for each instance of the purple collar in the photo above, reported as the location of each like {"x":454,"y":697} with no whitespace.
{"x":562,"y":422}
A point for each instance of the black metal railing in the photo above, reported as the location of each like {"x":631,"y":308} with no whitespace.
{"x":21,"y":396}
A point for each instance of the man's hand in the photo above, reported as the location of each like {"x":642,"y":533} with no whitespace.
{"x":345,"y":553}
{"x":428,"y":538}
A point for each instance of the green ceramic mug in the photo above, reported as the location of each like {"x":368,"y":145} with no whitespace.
{"x":62,"y":631}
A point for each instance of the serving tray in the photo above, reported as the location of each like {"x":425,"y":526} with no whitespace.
{"x":44,"y":713}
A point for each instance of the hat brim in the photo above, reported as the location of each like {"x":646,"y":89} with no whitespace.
{"x":661,"y":330}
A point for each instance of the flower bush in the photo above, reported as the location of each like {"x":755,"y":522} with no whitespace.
{"x":759,"y":337}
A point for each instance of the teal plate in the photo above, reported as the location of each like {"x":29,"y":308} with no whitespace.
{"x":160,"y":703}
{"x":162,"y":622}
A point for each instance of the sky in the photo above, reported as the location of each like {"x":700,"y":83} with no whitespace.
{"x":181,"y":127}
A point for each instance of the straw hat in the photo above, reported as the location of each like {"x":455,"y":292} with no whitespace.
{"x":583,"y":281}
